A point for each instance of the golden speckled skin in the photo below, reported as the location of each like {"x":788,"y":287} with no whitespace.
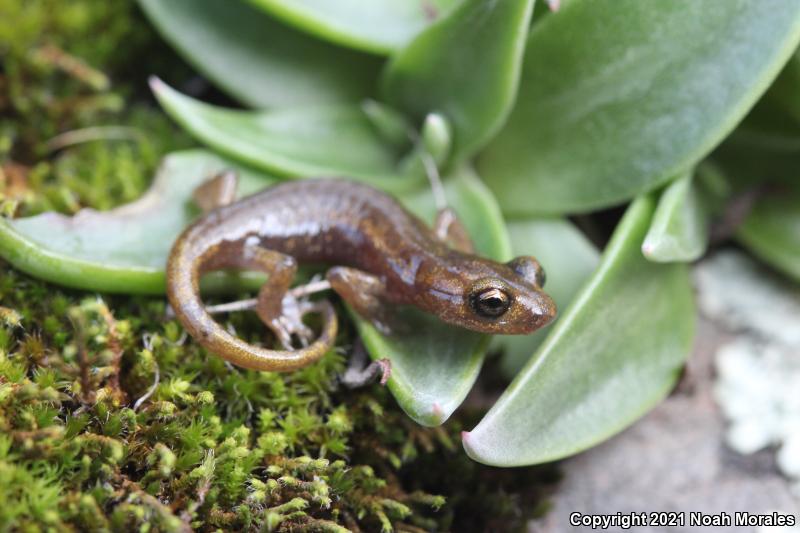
{"x":343,"y":223}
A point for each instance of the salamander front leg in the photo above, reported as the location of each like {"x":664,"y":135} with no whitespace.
{"x":364,"y":293}
{"x":450,"y":230}
{"x":359,"y":373}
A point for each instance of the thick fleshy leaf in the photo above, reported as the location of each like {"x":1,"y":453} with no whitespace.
{"x":465,"y":66}
{"x":378,"y":26}
{"x":300,"y":142}
{"x":434,"y":365}
{"x":568,"y":259}
{"x":619,"y":96}
{"x":679,"y":231}
{"x":125,"y":249}
{"x":772,"y":230}
{"x":615,"y":353}
{"x":258,"y":60}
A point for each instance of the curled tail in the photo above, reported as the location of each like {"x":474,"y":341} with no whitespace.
{"x":188,"y":260}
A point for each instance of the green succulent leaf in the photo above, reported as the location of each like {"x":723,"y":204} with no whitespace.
{"x":125,"y":249}
{"x":378,"y":26}
{"x":568,"y":259}
{"x":772,"y":229}
{"x":679,"y":231}
{"x":466,"y":66}
{"x":257,"y":60}
{"x":619,"y":96}
{"x":616,"y":352}
{"x":434,"y":365}
{"x":300,"y":142}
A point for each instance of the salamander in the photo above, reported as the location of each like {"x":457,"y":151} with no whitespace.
{"x":380,"y":255}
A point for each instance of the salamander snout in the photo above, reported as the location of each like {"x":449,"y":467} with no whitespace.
{"x":502,"y":307}
{"x":530,"y":310}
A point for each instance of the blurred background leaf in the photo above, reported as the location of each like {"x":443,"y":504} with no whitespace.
{"x":258,"y":60}
{"x":295,"y":142}
{"x":771,"y":229}
{"x":620,"y":96}
{"x":378,"y":26}
{"x":465,"y":66}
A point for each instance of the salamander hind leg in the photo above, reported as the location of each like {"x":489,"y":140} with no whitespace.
{"x":185,"y":267}
{"x":276,"y":306}
{"x":217,"y":191}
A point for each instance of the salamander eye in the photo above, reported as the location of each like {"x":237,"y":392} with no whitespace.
{"x":491,"y":302}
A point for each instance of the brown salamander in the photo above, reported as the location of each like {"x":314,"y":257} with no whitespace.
{"x":381,"y":255}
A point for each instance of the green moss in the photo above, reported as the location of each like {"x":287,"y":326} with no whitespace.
{"x":88,"y":443}
{"x":73,"y":129}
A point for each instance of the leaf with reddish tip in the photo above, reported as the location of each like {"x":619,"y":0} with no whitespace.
{"x":615,"y":353}
{"x":679,"y":231}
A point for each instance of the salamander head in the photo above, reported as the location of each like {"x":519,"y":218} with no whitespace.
{"x":490,"y":297}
